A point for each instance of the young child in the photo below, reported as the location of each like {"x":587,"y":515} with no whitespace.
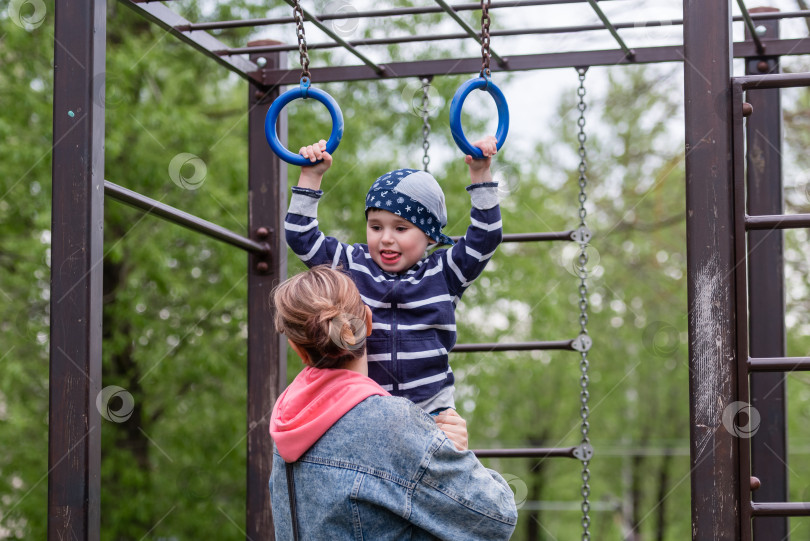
{"x":412,"y":294}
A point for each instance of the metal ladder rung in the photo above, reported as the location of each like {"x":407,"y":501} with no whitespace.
{"x":777,"y":221}
{"x":780,"y":509}
{"x":515,"y":346}
{"x":547,"y":452}
{"x":778,"y":364}
{"x":534,"y":237}
{"x":538,"y":237}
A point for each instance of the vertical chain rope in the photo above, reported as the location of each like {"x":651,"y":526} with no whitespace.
{"x":582,"y":271}
{"x":485,"y":20}
{"x":298,"y":13}
{"x":426,"y":121}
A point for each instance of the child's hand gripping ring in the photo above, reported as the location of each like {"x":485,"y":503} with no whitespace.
{"x":303,"y":91}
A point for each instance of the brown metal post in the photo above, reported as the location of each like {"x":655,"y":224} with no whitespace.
{"x":710,"y":262}
{"x":766,"y":287}
{"x":77,"y":228}
{"x":267,"y":353}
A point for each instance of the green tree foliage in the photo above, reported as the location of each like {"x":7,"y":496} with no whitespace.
{"x":174,"y":302}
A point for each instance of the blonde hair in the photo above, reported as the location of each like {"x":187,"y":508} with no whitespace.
{"x":321,"y":311}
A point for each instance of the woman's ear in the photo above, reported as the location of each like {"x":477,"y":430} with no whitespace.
{"x":368,"y":321}
{"x":301,"y":352}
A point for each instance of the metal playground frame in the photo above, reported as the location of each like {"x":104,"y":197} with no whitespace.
{"x":734,"y":215}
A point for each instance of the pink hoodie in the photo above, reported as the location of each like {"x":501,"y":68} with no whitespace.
{"x":313,"y":402}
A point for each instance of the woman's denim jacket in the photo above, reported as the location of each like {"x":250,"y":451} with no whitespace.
{"x":385,"y":471}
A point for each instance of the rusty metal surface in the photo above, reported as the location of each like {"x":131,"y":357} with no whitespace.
{"x":710,"y":263}
{"x":74,"y":428}
{"x":267,"y":350}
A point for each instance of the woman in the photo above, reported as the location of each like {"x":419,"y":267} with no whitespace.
{"x":364,"y":464}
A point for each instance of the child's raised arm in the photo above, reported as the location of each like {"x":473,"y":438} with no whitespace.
{"x":479,"y":169}
{"x":311,"y":176}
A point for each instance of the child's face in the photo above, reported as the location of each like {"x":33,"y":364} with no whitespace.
{"x":395,"y":243}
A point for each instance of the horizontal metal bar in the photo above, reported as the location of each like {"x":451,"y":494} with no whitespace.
{"x":455,"y":36}
{"x":538,"y":452}
{"x":438,"y":37}
{"x":777,"y":221}
{"x":778,"y":364}
{"x":469,"y":30}
{"x":644,"y":55}
{"x":322,"y":27}
{"x":252,"y":23}
{"x":171,"y":214}
{"x":202,"y":41}
{"x":771,"y":15}
{"x":515,"y":346}
{"x":776,"y":80}
{"x":533,"y":237}
{"x":780,"y":509}
{"x":538,"y":237}
{"x":348,"y":14}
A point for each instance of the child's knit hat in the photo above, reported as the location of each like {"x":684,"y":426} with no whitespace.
{"x":414,"y":195}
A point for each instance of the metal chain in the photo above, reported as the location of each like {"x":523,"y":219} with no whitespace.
{"x":582,"y":271}
{"x":485,"y":20}
{"x":298,"y":12}
{"x":425,"y":121}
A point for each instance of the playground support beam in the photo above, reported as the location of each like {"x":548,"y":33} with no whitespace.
{"x":267,"y":352}
{"x":77,"y":227}
{"x":710,"y":261}
{"x":766,"y":286}
{"x":459,"y":66}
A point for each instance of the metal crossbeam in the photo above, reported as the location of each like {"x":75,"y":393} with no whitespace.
{"x":323,"y":28}
{"x":455,"y":66}
{"x":394,"y":12}
{"x":627,"y":51}
{"x":750,"y":24}
{"x":470,"y":31}
{"x":202,"y":41}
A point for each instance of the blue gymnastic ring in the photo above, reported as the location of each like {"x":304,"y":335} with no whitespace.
{"x":304,"y":91}
{"x":455,"y":114}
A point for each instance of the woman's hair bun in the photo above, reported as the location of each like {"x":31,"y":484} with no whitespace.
{"x":321,"y":310}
